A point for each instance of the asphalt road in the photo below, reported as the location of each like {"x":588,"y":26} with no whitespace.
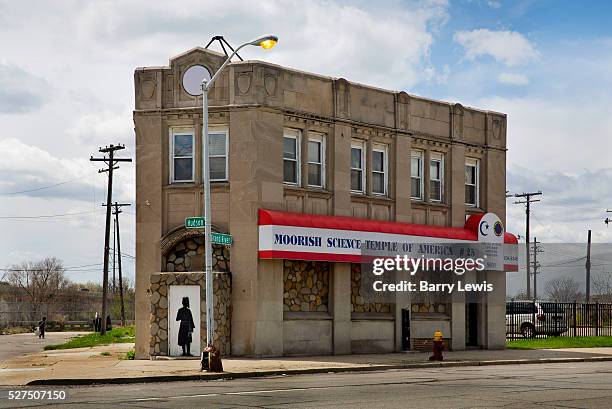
{"x":12,"y":346}
{"x":580,"y":385}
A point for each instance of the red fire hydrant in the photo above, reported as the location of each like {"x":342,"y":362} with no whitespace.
{"x":438,"y":346}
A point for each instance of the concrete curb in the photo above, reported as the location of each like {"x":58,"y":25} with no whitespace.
{"x":276,"y":372}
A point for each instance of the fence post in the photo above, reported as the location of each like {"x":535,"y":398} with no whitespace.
{"x":597,"y":318}
{"x":575,"y":316}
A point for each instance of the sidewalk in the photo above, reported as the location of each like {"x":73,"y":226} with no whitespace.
{"x":88,"y":366}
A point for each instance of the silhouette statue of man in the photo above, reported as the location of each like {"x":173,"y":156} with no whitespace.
{"x":186,"y":327}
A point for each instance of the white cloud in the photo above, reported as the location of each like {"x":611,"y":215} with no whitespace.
{"x":513,"y":78}
{"x":20,"y":91}
{"x":508,"y":47}
{"x":92,"y":127}
{"x":90,"y":51}
{"x":586,"y":193}
{"x":548,"y":134}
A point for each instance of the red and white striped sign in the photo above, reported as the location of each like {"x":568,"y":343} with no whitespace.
{"x":297,"y":236}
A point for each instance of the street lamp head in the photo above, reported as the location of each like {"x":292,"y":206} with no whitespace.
{"x":267,"y":41}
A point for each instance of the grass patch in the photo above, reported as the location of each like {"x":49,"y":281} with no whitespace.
{"x":130,"y":354}
{"x":560,"y":342}
{"x":116,"y":335}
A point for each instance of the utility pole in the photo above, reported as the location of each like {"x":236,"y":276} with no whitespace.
{"x":117,"y":211}
{"x":528,"y":200}
{"x":114,"y":290}
{"x":111,"y":162}
{"x":536,"y":249}
{"x":588,"y":268}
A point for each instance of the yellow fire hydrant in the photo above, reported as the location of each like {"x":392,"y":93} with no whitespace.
{"x":438,"y":346}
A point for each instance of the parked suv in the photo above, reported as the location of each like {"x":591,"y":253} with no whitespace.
{"x":533,"y":318}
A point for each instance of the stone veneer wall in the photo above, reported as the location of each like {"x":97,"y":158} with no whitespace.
{"x":188,"y":255}
{"x":222,"y":294}
{"x":429,"y":307}
{"x":358,"y":304}
{"x":306,"y":286}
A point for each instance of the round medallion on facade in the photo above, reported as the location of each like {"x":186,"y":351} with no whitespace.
{"x":193,"y":77}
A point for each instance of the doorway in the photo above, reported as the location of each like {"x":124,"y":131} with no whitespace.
{"x":175,"y":299}
{"x":471,"y":324}
{"x":405,"y":329}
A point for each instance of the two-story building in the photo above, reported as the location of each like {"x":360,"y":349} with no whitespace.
{"x":296,"y":149}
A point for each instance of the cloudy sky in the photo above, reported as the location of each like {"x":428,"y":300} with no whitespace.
{"x":66,"y":88}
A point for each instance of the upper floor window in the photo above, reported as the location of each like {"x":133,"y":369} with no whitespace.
{"x":472,"y":167}
{"x":316,"y":160}
{"x":436,"y":177}
{"x":217,"y":152}
{"x":181,"y":156}
{"x":416,"y":175}
{"x":291,"y":156}
{"x":379,"y":169}
{"x":357,"y":167}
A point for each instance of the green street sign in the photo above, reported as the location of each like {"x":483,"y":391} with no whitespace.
{"x":194,"y":222}
{"x":221,"y":238}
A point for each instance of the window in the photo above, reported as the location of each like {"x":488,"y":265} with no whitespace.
{"x":217,"y":152}
{"x":291,"y":156}
{"x":379,"y":169}
{"x":357,"y":167}
{"x":316,"y":160}
{"x":471,"y":182}
{"x":416,"y":175}
{"x":436,"y":177}
{"x":181,"y":156}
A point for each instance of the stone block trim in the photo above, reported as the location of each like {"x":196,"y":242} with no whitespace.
{"x":158,"y":296}
{"x":358,"y":304}
{"x":306,"y":286}
{"x":188,"y":255}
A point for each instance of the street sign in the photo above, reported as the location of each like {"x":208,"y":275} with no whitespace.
{"x":221,"y":238}
{"x":194,"y":222}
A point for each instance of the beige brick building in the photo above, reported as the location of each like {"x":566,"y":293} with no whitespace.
{"x":301,"y":143}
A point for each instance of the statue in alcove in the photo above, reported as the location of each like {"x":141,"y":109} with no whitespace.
{"x":186,"y":327}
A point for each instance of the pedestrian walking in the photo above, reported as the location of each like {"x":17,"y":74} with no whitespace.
{"x":41,"y":327}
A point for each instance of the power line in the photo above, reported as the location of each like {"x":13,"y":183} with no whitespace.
{"x":42,"y":187}
{"x":48,"y":216}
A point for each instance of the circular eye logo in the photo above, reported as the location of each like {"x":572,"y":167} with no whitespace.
{"x":498,"y":229}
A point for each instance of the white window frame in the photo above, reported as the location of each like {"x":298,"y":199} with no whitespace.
{"x":297,"y":135}
{"x":417,"y":154}
{"x":320,"y":138}
{"x":381,"y":148}
{"x":182,"y":131}
{"x":357,"y":144}
{"x":218,"y":130}
{"x":437,"y":157}
{"x":476,"y":164}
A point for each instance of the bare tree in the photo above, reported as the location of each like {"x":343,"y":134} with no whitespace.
{"x":41,"y":281}
{"x":602,"y":287}
{"x":563,"y":289}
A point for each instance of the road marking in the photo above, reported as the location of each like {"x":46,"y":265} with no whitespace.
{"x":206,"y":395}
{"x":257,"y":392}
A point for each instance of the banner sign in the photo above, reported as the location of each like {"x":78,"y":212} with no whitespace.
{"x":296,"y":236}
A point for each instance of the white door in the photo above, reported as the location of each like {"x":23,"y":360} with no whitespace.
{"x":175,"y":302}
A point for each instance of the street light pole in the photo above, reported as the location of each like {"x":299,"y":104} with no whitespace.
{"x":266,"y":42}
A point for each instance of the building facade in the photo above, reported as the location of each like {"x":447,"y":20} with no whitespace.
{"x":291,"y":144}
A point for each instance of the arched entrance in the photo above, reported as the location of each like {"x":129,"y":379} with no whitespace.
{"x":183,"y":250}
